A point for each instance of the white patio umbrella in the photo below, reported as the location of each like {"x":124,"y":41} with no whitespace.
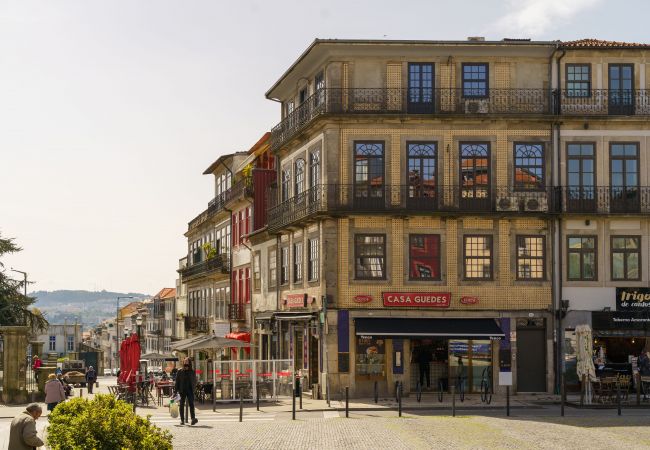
{"x":585,"y":362}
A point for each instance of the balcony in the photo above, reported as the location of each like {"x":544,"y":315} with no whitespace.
{"x":605,"y":200}
{"x":214,"y":207}
{"x":241,"y":189}
{"x":410,"y":200}
{"x":197,"y":324}
{"x":218,"y":264}
{"x":237,"y":311}
{"x":604,"y":102}
{"x":399,"y":101}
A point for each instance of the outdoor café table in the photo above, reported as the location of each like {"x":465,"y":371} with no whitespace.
{"x":163,"y":389}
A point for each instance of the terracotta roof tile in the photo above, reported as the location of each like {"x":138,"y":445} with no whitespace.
{"x":597,"y":43}
{"x":166,"y":293}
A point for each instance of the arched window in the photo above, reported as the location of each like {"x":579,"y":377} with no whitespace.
{"x":286,"y":184}
{"x":299,"y":176}
{"x":529,"y":166}
{"x":422,"y":165}
{"x":369,"y":169}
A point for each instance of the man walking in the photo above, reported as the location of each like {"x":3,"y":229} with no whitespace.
{"x":184,"y":386}
{"x":22,"y":434}
{"x":91,"y":377}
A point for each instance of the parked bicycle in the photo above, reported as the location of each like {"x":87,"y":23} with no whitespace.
{"x":486,"y":385}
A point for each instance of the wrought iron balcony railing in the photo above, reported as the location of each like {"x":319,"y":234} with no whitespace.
{"x":197,"y":324}
{"x":410,"y":101}
{"x":241,"y":189}
{"x":220,"y":263}
{"x":214,"y":206}
{"x":236,"y":311}
{"x":603,"y":102}
{"x":605,"y":199}
{"x":410,"y":199}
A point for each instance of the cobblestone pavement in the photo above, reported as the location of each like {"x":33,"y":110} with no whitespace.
{"x":367,"y":432}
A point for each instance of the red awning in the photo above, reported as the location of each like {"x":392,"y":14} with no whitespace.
{"x":240,"y":336}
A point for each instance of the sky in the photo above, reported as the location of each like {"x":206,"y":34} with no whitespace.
{"x":111,"y":110}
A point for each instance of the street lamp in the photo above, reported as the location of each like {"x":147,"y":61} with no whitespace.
{"x":24,"y":276}
{"x":138,"y":322}
{"x":117,"y":321}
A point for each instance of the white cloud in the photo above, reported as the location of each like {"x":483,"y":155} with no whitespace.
{"x":532,"y":18}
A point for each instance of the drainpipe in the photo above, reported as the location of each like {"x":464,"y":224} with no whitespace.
{"x":558,"y":306}
{"x":278,"y":270}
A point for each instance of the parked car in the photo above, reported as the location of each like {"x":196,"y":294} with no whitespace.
{"x":107,"y":372}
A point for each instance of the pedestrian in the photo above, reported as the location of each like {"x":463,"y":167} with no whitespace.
{"x":91,"y":376}
{"x":37,"y":363}
{"x":184,"y":386}
{"x":424,"y":359}
{"x":174,"y":372}
{"x":22,"y":433}
{"x":54,"y":392}
{"x":66,"y":387}
{"x":58,"y":371}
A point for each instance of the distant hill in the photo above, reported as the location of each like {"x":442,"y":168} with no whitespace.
{"x":87,"y":307}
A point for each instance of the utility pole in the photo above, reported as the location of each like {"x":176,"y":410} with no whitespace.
{"x":24,"y":278}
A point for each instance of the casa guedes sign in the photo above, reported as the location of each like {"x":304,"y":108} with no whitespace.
{"x":417,"y":299}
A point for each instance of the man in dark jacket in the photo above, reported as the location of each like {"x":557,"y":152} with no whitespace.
{"x":184,"y":386}
{"x":91,"y":377}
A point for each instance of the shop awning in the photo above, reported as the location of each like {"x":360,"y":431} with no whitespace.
{"x":286,"y":315}
{"x":264,"y":316}
{"x":461,"y":328}
{"x":239,"y":336}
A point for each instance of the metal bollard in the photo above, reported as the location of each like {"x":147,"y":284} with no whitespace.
{"x":562,"y":395}
{"x":81,"y":392}
{"x":241,"y":405}
{"x":618,"y":397}
{"x":638,"y":389}
{"x":583,"y":387}
{"x":376,"y":392}
{"x":453,"y":400}
{"x":508,"y":401}
{"x":258,"y":398}
{"x":300,"y":398}
{"x":399,"y":399}
{"x":347,"y":402}
{"x":293,"y":404}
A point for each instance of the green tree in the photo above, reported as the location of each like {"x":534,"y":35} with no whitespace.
{"x":15,"y":307}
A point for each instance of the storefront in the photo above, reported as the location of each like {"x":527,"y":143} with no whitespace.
{"x":433,"y":351}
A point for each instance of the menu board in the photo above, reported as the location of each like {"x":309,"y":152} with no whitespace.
{"x":371,"y":356}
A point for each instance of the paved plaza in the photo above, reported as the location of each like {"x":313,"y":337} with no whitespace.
{"x":535,"y":422}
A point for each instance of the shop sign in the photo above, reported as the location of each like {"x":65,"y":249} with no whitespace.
{"x":633,"y":299}
{"x":468,"y":300}
{"x":602,"y":320}
{"x":296,"y":300}
{"x":362,"y":298}
{"x":417,"y":299}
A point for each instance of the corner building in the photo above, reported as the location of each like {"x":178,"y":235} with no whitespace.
{"x":412,"y":214}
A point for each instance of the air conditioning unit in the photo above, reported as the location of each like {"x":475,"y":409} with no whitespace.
{"x":535,"y":204}
{"x":477,"y":106}
{"x":507,"y":203}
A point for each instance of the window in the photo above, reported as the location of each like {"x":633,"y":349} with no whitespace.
{"x":297,"y":262}
{"x":52,"y":343}
{"x":319,"y":85}
{"x":286,"y":184}
{"x":369,"y":170}
{"x":284,"y":265}
{"x":370,"y":256}
{"x":424,"y":257}
{"x":302,"y":96}
{"x":474,"y":171}
{"x":581,"y":254}
{"x":475,"y":80}
{"x":529,"y":166}
{"x":70,"y":343}
{"x":422,"y":162}
{"x":313,"y":266}
{"x":578,"y":80}
{"x":289,"y":107}
{"x":477,"y":255}
{"x":420,"y":89}
{"x":314,"y":168}
{"x":581,"y":176}
{"x":273,"y":271}
{"x":530,"y":257}
{"x":626,"y":258}
{"x":257,"y":277}
{"x":299,"y":177}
